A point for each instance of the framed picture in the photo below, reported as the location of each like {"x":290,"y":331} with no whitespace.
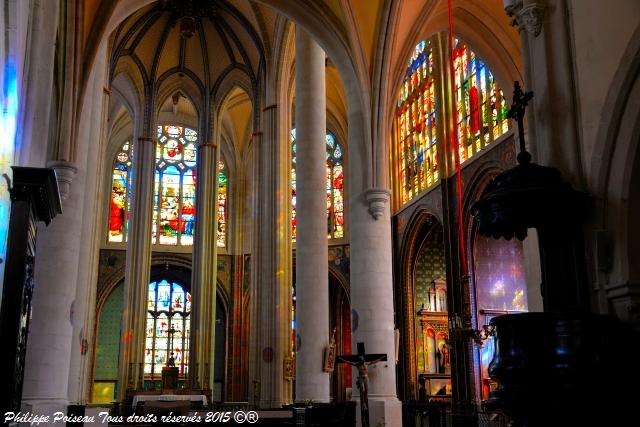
{"x":439,"y":386}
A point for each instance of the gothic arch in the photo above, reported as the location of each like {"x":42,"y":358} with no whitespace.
{"x":421,"y":224}
{"x":614,"y":176}
{"x":163,"y":266}
{"x":189,"y":84}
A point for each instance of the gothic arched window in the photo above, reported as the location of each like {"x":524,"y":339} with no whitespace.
{"x":481,"y":109}
{"x":335,"y":186}
{"x":120,"y":194}
{"x":168,"y":327}
{"x":175,"y":186}
{"x":416,"y":125}
{"x":223,"y":183}
{"x":471,"y":95}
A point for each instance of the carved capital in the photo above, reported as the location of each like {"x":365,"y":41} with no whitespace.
{"x":65,"y":171}
{"x":377,"y":199}
{"x":528,"y":18}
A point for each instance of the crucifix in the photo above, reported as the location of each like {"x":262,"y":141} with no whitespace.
{"x":171,"y":361}
{"x":516,"y":112}
{"x":361,"y":360}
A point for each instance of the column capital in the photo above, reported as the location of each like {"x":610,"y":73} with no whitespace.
{"x":270,"y":107}
{"x":526,"y":17}
{"x":377,"y":198}
{"x":65,"y":171}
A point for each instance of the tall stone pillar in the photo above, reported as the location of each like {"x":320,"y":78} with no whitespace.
{"x":203,"y":282}
{"x":138,"y":265}
{"x":546,"y":54}
{"x":271,"y":270}
{"x":312,"y":288}
{"x":59,"y":256}
{"x":372,"y":299}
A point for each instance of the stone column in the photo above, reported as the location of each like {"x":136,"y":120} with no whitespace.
{"x":138,"y":263}
{"x":271,"y":269}
{"x":93,"y":222}
{"x":547,"y":57}
{"x":203,"y":282}
{"x":372,"y":298}
{"x":59,"y":257}
{"x":312,"y":289}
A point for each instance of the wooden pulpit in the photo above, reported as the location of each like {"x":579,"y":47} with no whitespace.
{"x":34,"y":198}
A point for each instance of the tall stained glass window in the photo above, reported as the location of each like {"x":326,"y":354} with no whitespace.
{"x":175,"y":186}
{"x":168,"y":328}
{"x":416,"y":121}
{"x":481,"y":109}
{"x":222,"y":204}
{"x":120,"y":194}
{"x":335,"y":186}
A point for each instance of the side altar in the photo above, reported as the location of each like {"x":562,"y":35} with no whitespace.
{"x":172,"y":396}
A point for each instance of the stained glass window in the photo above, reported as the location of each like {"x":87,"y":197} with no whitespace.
{"x":501,"y":288}
{"x":168,"y":328}
{"x":416,"y":121}
{"x":335,"y":186}
{"x":175,"y":186}
{"x":120,"y":194}
{"x":222,"y":204}
{"x":481,"y":109}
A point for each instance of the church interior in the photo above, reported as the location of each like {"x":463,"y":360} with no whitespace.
{"x":462,"y":248}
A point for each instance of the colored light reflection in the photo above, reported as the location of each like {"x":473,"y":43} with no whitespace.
{"x":8,"y":115}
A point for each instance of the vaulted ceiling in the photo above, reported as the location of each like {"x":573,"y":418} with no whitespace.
{"x":201,"y":39}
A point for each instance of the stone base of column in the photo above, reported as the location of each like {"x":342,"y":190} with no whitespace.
{"x":383,"y":411}
{"x":46,"y":407}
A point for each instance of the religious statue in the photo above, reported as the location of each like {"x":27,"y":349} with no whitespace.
{"x":446,"y":365}
{"x":361,"y":360}
{"x":171,"y":361}
{"x":330,"y":354}
{"x":439,"y":365}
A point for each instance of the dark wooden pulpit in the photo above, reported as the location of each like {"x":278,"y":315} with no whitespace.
{"x":34,"y":198}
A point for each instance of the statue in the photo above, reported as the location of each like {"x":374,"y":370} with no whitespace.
{"x":330,"y":354}
{"x":445,"y":358}
{"x":362,"y":362}
{"x":171,"y":361}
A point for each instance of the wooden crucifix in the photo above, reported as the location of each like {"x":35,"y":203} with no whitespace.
{"x":516,"y":112}
{"x":361,"y":360}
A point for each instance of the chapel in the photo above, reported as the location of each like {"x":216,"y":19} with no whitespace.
{"x":341,"y":212}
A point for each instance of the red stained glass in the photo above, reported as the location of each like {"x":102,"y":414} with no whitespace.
{"x":334,"y":187}
{"x":416,"y":125}
{"x":120,"y":194}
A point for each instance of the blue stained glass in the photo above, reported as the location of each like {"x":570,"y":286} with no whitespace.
{"x":420,"y":157}
{"x":330,"y":140}
{"x":337,"y":153}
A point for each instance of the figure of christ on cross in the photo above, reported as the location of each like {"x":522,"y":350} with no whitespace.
{"x":361,"y":360}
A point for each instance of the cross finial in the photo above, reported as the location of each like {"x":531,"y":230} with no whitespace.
{"x":516,"y":112}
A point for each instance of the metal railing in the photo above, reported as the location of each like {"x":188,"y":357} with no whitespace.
{"x":429,"y":414}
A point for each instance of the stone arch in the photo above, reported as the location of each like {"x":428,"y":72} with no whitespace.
{"x":614,"y":172}
{"x":421,"y":224}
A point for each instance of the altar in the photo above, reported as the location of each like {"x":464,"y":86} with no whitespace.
{"x":159,"y":403}
{"x":200,"y":398}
